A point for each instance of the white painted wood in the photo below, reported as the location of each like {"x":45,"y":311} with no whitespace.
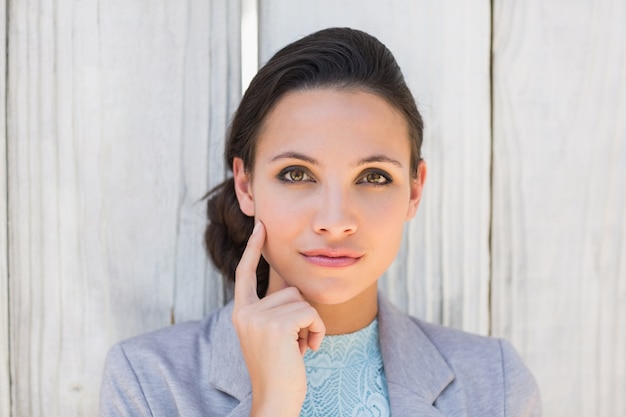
{"x":442,"y":272}
{"x":249,"y":41}
{"x":211,"y":91}
{"x":4,"y":295}
{"x":559,"y":218}
{"x":117,"y":114}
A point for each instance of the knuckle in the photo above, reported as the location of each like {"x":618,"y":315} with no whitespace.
{"x":276,"y":327}
{"x":240,"y":316}
{"x":293,"y":292}
{"x":304,"y":306}
{"x":256,"y":321}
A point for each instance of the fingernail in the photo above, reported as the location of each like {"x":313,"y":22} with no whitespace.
{"x":256,"y":227}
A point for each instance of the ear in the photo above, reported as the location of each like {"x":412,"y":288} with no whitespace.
{"x":243,"y":187}
{"x":417,"y":186}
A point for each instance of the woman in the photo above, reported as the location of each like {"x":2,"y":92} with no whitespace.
{"x":325,"y":154}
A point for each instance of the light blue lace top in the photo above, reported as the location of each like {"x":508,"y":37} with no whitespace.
{"x":345,"y":377}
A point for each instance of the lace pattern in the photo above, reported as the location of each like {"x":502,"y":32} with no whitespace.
{"x":345,"y":377}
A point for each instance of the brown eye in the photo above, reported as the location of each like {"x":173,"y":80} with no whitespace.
{"x":375,"y":178}
{"x":294,"y":174}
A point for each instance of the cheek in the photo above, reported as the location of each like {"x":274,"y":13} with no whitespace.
{"x":282,"y":219}
{"x":282,"y":229}
{"x":270,"y":210}
{"x":385,"y":221}
{"x":389,"y":211}
{"x":275,"y":205}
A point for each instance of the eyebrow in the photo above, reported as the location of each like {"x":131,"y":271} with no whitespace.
{"x":379,"y":158}
{"x":313,"y":161}
{"x":295,"y":155}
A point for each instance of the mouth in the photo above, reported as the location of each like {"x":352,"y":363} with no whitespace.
{"x":332,"y":258}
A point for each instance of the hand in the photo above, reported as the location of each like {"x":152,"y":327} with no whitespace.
{"x":274,"y":334}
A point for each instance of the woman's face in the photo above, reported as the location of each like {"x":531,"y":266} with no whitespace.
{"x":333,"y":187}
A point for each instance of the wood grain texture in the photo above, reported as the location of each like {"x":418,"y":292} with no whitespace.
{"x":442,"y":271}
{"x":211,"y":93}
{"x":5,"y":391}
{"x":559,"y":217}
{"x":117,"y":113}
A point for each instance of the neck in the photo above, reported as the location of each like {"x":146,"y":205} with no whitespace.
{"x":349,"y":316}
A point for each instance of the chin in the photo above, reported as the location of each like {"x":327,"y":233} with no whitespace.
{"x":330,"y":293}
{"x":326,"y":298}
{"x":323,"y":289}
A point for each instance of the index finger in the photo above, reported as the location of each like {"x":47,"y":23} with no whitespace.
{"x":245,"y":274}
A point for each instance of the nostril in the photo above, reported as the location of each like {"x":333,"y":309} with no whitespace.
{"x":335,"y":214}
{"x":339,"y":228}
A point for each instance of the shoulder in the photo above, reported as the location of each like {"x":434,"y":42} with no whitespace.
{"x":165,"y":369}
{"x":176,"y":346}
{"x":454,"y":366}
{"x":483,"y":364}
{"x":462,"y":350}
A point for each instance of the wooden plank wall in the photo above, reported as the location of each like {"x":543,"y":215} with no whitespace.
{"x":5,"y":394}
{"x":116,"y":117}
{"x":117,"y":113}
{"x":559,"y":218}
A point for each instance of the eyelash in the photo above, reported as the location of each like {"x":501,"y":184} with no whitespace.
{"x":285,"y":176}
{"x":382,"y":175}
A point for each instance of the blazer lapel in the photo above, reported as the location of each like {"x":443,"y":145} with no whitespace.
{"x":227,"y":371}
{"x":416,"y":372}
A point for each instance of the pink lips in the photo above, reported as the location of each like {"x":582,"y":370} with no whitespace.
{"x":332,"y":258}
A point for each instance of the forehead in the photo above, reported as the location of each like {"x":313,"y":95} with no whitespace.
{"x":334,"y":120}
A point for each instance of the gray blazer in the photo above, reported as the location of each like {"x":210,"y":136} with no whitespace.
{"x":197,"y":369}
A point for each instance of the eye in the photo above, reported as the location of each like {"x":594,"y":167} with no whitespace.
{"x":375,"y":178}
{"x":295,"y":174}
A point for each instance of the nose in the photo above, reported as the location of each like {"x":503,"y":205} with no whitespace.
{"x":335,"y":215}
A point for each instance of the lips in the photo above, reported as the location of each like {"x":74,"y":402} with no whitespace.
{"x":332,"y":258}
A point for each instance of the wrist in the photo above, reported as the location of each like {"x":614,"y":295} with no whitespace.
{"x":280,"y":407}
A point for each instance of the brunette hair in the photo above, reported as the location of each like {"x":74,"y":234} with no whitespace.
{"x":340,"y":58}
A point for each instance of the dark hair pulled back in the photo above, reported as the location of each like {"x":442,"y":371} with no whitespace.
{"x":340,"y":58}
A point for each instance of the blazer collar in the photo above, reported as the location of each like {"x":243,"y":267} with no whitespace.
{"x":416,"y":372}
{"x":227,"y":370}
